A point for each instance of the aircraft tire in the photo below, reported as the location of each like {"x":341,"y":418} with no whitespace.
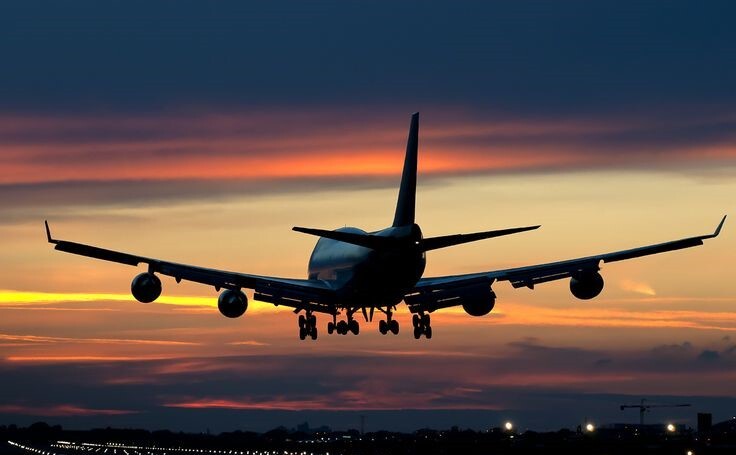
{"x":394,"y":326}
{"x":382,"y":327}
{"x":342,"y":327}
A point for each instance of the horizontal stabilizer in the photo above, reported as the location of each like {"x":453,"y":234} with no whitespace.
{"x":434,"y":243}
{"x":365,"y":240}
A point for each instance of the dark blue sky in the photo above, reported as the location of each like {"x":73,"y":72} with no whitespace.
{"x":526,"y":57}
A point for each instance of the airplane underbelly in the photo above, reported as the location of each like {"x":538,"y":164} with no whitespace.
{"x":362,"y":276}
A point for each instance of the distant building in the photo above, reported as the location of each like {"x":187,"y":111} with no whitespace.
{"x":705,"y":423}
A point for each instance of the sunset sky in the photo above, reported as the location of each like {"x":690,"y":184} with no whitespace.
{"x":201,"y":132}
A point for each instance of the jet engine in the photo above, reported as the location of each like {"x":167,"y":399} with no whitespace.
{"x":586,"y":285}
{"x":479,"y":300}
{"x":146,"y":287}
{"x":232,"y":303}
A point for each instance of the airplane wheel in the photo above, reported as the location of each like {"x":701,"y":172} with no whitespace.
{"x":302,"y":333}
{"x":428,"y":332}
{"x":330,"y":327}
{"x":417,"y":333}
{"x":354,"y":327}
{"x":302,"y":321}
{"x":415,"y":320}
{"x":314,"y":333}
{"x":425,"y":319}
{"x":313,"y":320}
{"x":394,"y":326}
{"x":342,"y":327}
{"x":382,"y":327}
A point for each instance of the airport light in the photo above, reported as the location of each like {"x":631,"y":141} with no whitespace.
{"x":671,"y":427}
{"x":589,"y":427}
{"x":508,"y":426}
{"x":690,"y":452}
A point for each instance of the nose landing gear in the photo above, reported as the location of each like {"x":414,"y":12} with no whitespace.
{"x":343,"y":327}
{"x":389,"y":325}
{"x":421,"y":325}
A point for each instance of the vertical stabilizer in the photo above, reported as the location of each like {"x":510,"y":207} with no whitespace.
{"x":407,"y":192}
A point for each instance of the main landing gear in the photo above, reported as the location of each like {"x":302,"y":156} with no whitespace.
{"x":307,"y":326}
{"x":389,"y":325}
{"x":421,"y":325}
{"x":343,"y":327}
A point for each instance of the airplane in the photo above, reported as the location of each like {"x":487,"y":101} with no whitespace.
{"x":351,"y":270}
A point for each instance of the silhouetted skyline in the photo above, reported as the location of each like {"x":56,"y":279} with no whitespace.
{"x":201,"y":133}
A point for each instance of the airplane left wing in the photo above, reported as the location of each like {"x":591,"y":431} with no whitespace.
{"x":313,"y":295}
{"x":431,"y":294}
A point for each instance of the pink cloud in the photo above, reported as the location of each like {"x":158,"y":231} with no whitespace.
{"x":63,"y":410}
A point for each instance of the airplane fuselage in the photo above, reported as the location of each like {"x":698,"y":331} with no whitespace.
{"x":364,"y":277}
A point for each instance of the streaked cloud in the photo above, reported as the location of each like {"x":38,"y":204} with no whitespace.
{"x":40,"y":359}
{"x":63,"y":410}
{"x":11,"y":299}
{"x":637,"y":287}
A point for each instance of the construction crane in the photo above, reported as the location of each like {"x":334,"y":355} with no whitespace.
{"x":644,"y":408}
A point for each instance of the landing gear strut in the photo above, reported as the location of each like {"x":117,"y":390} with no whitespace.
{"x":307,"y":326}
{"x":343,"y":327}
{"x":389,"y":325}
{"x":421,"y":325}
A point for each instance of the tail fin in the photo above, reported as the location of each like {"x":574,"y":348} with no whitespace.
{"x":404,"y":215}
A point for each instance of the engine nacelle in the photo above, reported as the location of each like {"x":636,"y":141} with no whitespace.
{"x":478,"y":301}
{"x":232,"y":303}
{"x":586,"y":285}
{"x":146,"y":287}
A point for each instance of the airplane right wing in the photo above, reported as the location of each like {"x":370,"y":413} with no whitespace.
{"x":431,"y":294}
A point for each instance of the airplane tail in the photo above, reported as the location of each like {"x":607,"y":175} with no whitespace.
{"x":405,"y":205}
{"x":405,"y":211}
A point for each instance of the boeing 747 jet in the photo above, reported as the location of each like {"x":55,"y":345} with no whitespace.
{"x":353,"y":271}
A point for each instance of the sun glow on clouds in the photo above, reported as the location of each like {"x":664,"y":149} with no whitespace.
{"x":287,"y":145}
{"x":637,"y":287}
{"x":10,"y":297}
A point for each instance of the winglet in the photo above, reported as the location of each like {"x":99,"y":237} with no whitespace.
{"x":720,"y":225}
{"x":48,"y":233}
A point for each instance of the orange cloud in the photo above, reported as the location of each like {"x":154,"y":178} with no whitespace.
{"x":12,"y":299}
{"x":289,"y":145}
{"x":282,"y":404}
{"x":50,"y":340}
{"x":64,"y":410}
{"x":637,"y":287}
{"x":40,"y":359}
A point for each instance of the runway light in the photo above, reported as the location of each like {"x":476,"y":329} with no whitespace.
{"x":508,"y":426}
{"x":690,"y":452}
{"x":590,"y":428}
{"x":671,"y":427}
